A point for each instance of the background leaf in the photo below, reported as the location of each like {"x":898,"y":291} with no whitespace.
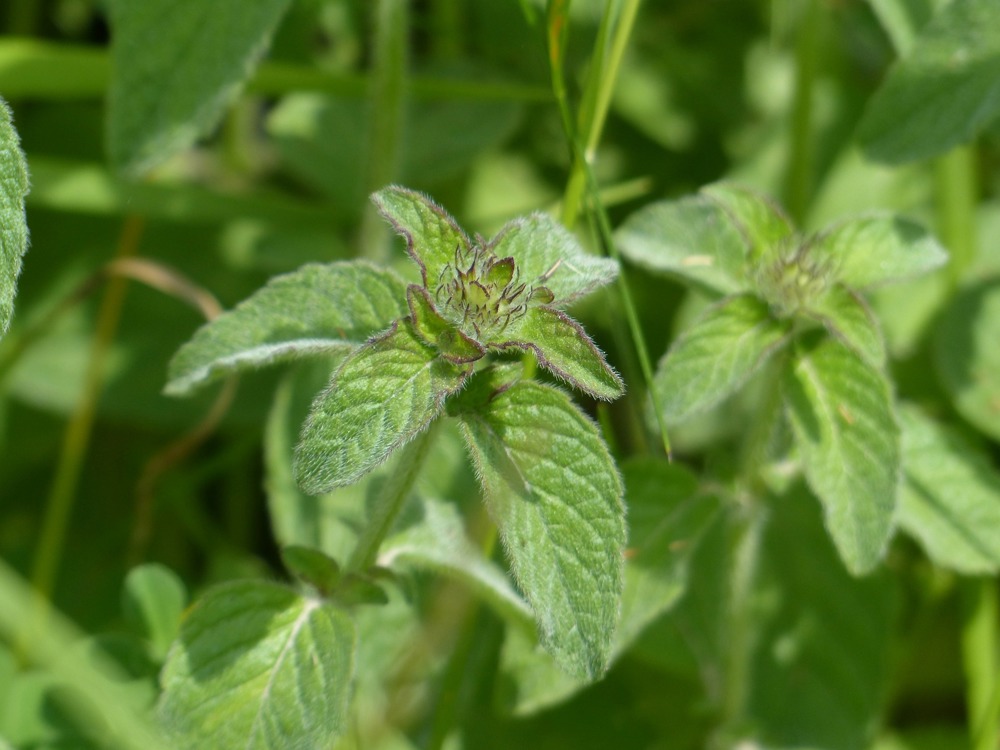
{"x":876,"y":250}
{"x":153,"y":600}
{"x":943,"y":92}
{"x":436,"y":540}
{"x":316,"y":310}
{"x":762,"y":222}
{"x":13,"y":227}
{"x":967,"y":356}
{"x":554,"y":492}
{"x":710,"y":360}
{"x":176,"y":67}
{"x":385,"y":393}
{"x":841,"y":411}
{"x":820,"y":664}
{"x":258,"y":666}
{"x":691,"y":237}
{"x":950,"y":499}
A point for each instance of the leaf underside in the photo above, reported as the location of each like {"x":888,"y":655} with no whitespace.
{"x":13,"y":226}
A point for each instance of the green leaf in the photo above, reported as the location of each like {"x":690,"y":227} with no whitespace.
{"x":765,"y":228}
{"x":317,"y":310}
{"x":385,"y":393}
{"x":546,"y":253}
{"x":553,"y":490}
{"x":692,"y":237}
{"x":943,"y":92}
{"x":437,"y":541}
{"x":713,"y":358}
{"x":564,"y":349}
{"x":433,"y":238}
{"x":435,"y":331}
{"x":312,"y":566}
{"x":967,"y":356}
{"x":13,"y":226}
{"x":847,"y":316}
{"x":258,"y":666}
{"x":950,"y":499}
{"x":842,"y":414}
{"x":153,"y":600}
{"x":879,"y":249}
{"x":176,"y":67}
{"x":667,"y":518}
{"x":822,"y":640}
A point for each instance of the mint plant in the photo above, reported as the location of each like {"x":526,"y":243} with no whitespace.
{"x":550,"y":483}
{"x":781,"y":291}
{"x":406,"y":502}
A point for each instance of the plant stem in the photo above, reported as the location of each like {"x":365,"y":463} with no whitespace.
{"x":67,"y":474}
{"x":741,"y":614}
{"x":387,"y":104}
{"x":597,"y":97}
{"x":799,"y":175}
{"x":557,"y":28}
{"x":955,"y":198}
{"x":390,"y":501}
{"x":981,"y":660}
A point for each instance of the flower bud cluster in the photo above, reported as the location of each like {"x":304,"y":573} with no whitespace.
{"x":483,"y":294}
{"x":793,"y":278}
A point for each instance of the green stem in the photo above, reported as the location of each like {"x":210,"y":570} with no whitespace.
{"x":741,"y":616}
{"x":391,"y":499}
{"x":386,"y":115}
{"x":601,"y":81}
{"x":981,"y":660}
{"x":799,"y":175}
{"x":956,"y":192}
{"x":557,"y":35}
{"x":67,"y":474}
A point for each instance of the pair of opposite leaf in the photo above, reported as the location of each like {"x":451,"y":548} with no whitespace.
{"x":475,"y":297}
{"x":774,"y":282}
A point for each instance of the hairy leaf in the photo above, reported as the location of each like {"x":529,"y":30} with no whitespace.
{"x":692,"y":237}
{"x":667,"y":518}
{"x":714,"y":357}
{"x":258,"y":666}
{"x":437,"y":541}
{"x":385,"y":393}
{"x":564,"y":349}
{"x":842,"y":414}
{"x":546,"y":253}
{"x":554,"y":492}
{"x":176,"y":66}
{"x":764,"y":226}
{"x":13,"y":226}
{"x":950,"y":499}
{"x":432,"y":237}
{"x":847,"y":316}
{"x":943,"y":92}
{"x":967,"y":355}
{"x":317,"y":310}
{"x":879,"y":249}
